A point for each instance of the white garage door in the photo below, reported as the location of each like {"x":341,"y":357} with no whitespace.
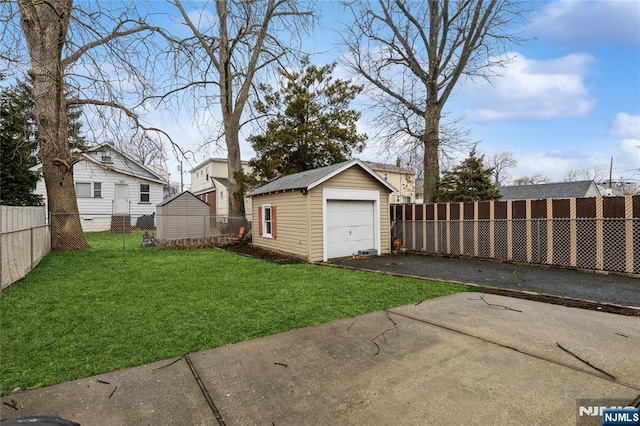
{"x":350,"y":227}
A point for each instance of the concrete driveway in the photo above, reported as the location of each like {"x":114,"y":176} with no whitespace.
{"x":461,"y":359}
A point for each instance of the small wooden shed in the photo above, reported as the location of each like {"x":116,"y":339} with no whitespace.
{"x":183,"y":216}
{"x":331,"y":212}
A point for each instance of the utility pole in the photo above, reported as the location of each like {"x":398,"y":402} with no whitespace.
{"x":610,"y":172}
{"x":181,"y":177}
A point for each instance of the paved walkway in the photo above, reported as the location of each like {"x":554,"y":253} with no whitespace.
{"x":604,"y":288}
{"x":452,"y":360}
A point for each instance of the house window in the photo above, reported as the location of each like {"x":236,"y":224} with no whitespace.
{"x":83,"y":190}
{"x":386,"y":176}
{"x":88,"y":190}
{"x":267,"y":221}
{"x":107,"y":159}
{"x":406,"y":200}
{"x":97,"y":190}
{"x":145,"y":196}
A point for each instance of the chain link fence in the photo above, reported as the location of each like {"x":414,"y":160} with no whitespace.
{"x":24,"y":241}
{"x":168,"y":230}
{"x":607,"y":244}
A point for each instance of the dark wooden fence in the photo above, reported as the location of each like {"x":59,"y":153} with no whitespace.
{"x":600,"y":233}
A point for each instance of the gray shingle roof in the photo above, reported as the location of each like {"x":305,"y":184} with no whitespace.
{"x":556,"y":190}
{"x":178,"y":195}
{"x":308,"y":179}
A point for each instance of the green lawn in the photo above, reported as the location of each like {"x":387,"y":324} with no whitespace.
{"x":83,"y":313}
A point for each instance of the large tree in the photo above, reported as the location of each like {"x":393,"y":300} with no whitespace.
{"x":412,"y":55}
{"x":87,"y":55}
{"x":468,"y":181}
{"x":310,"y":123}
{"x":226,"y":55}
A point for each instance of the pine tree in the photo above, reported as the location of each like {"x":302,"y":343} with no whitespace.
{"x":18,"y":143}
{"x":18,"y":133}
{"x":468,"y":181}
{"x":311,"y":124}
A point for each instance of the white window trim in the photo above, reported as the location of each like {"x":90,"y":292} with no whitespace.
{"x":351,"y":194}
{"x":140,"y":192}
{"x":266,"y":234}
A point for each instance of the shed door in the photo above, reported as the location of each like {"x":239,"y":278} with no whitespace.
{"x":350,"y":227}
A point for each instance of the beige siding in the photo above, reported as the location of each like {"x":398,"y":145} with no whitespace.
{"x":291,"y":223}
{"x":299,"y":217}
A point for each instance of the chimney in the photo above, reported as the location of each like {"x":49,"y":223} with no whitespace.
{"x":398,"y":162}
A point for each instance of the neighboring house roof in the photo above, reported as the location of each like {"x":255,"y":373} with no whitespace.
{"x":579,"y":189}
{"x":178,"y":195}
{"x":223,"y":181}
{"x":129,"y":167}
{"x":312,"y":178}
{"x":132,"y":168}
{"x":383,"y":167}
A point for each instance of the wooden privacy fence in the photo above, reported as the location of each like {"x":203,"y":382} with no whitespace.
{"x":591,"y":233}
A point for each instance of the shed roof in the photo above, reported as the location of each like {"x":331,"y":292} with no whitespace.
{"x":312,"y":178}
{"x":178,"y":195}
{"x":556,"y":190}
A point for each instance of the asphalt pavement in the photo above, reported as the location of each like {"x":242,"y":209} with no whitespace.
{"x":599,"y":287}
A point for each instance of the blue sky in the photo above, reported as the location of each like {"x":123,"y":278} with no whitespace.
{"x":569,"y":101}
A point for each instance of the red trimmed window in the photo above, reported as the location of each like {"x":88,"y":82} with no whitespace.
{"x":267,"y":221}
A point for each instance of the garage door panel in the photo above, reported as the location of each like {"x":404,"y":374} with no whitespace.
{"x":363,"y":218}
{"x":350,"y":227}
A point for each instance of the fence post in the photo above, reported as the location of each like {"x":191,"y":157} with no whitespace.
{"x":538,"y":243}
{"x":31,"y":248}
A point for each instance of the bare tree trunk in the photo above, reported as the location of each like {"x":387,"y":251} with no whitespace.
{"x":45,"y":27}
{"x":431,"y":156}
{"x":234,"y":167}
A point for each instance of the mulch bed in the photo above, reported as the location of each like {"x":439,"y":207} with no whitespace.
{"x":260,"y":253}
{"x":571,"y":303}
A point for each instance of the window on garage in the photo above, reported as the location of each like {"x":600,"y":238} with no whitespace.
{"x":267,"y":221}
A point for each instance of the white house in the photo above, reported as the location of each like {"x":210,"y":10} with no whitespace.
{"x":111,"y":184}
{"x":210,"y":183}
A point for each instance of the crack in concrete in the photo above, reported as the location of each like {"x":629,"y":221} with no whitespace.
{"x":204,"y":391}
{"x":502,"y":345}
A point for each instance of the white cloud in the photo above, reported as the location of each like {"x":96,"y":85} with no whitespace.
{"x":583,"y":23}
{"x":626,"y":126}
{"x":534,"y":89}
{"x":626,"y":130}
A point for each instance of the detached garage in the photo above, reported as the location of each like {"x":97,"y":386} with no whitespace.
{"x":331,"y":212}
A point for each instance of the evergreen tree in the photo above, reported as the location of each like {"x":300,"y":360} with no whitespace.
{"x":468,"y":181}
{"x":17,"y":141}
{"x":311,"y":124}
{"x":18,"y":132}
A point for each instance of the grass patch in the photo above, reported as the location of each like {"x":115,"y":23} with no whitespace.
{"x":84,"y":313}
